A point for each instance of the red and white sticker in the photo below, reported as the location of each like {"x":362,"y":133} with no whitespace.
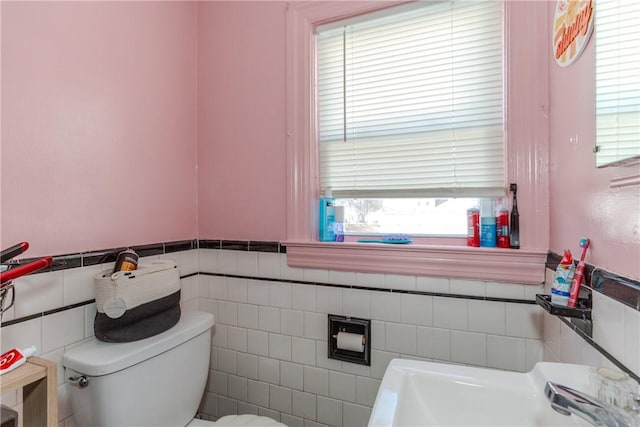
{"x":572,"y":28}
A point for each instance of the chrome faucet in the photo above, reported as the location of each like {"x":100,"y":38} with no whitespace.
{"x":568,"y":401}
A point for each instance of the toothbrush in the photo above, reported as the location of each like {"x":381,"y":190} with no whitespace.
{"x":577,"y":277}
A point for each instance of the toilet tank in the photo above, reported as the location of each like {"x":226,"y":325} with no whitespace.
{"x":157,"y":381}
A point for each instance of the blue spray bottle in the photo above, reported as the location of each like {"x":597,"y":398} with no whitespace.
{"x":487,"y":224}
{"x":326,"y":217}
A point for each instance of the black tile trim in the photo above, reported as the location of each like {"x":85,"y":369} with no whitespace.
{"x":100,"y":256}
{"x":619,"y":288}
{"x":243,"y":245}
{"x":553,"y":259}
{"x":86,"y":259}
{"x":257,"y":246}
{"x":60,"y":262}
{"x":185,"y":245}
{"x":149,"y":250}
{"x":616,"y":287}
{"x":386,"y":290}
{"x":235,"y":245}
{"x":595,"y":345}
{"x":209,"y":244}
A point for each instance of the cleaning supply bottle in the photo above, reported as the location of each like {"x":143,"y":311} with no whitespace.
{"x":473,"y":227}
{"x":487,"y":224}
{"x":326,"y":217}
{"x":12,"y":359}
{"x":561,"y":282}
{"x":338,"y":225}
{"x":502,"y":227}
{"x":514,"y":231}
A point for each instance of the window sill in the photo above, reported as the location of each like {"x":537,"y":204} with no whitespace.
{"x":522,"y":266}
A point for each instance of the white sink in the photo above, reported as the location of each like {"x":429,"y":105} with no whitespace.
{"x":415,"y":393}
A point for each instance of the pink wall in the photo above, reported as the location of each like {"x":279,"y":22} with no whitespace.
{"x":241,"y":142}
{"x":582,"y":204}
{"x":101,"y":97}
{"x":98,"y":124}
{"x":242,"y":120}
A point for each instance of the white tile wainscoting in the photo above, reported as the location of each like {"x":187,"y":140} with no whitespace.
{"x":269,"y":349}
{"x":54,"y":333}
{"x":616,"y":329}
{"x":269,"y":354}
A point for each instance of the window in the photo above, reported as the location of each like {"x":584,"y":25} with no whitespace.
{"x":526,"y":57}
{"x":410,"y":105}
{"x":617,"y":81}
{"x":434,"y":216}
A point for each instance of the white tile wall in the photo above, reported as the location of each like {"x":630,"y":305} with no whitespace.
{"x":370,"y":280}
{"x":62,"y":329}
{"x":237,"y":289}
{"x":228,"y":262}
{"x":38,"y":293}
{"x":75,"y":284}
{"x":54,"y":333}
{"x":356,"y":303}
{"x":506,"y":353}
{"x":291,"y":375}
{"x":268,"y":265}
{"x":433,"y":343}
{"x":401,"y":338}
{"x":269,"y":346}
{"x":329,"y":300}
{"x":402,"y":282}
{"x":247,"y":365}
{"x":616,"y":328}
{"x":302,"y":385}
{"x":247,"y":263}
{"x":416,"y":309}
{"x":450,"y":313}
{"x":329,"y":411}
{"x":386,"y":306}
{"x":280,"y":399}
{"x":487,"y":316}
{"x":468,"y":287}
{"x":304,"y":297}
{"x":342,"y":386}
{"x":433,"y":284}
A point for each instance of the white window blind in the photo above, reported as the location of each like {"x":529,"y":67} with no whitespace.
{"x":617,"y":80}
{"x":410,"y":104}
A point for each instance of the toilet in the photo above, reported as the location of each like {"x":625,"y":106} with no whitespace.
{"x":157,"y":381}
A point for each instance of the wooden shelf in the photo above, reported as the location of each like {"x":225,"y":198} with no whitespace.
{"x":37,"y":378}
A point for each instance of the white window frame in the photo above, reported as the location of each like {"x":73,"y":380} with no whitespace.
{"x":526,"y":150}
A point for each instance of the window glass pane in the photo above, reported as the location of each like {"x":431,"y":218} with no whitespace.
{"x":422,"y":216}
{"x":617,"y":81}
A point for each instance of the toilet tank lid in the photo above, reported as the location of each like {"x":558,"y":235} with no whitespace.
{"x":96,"y":358}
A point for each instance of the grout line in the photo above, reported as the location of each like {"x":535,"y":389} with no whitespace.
{"x":367,"y":288}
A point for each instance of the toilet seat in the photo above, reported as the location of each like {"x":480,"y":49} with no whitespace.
{"x":237,"y":420}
